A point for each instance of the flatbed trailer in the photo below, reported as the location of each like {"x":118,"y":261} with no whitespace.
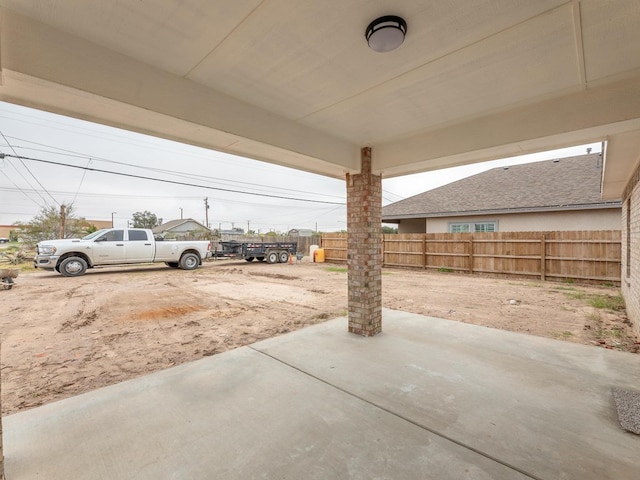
{"x":271,"y":252}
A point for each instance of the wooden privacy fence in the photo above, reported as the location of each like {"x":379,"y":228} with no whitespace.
{"x":579,"y":255}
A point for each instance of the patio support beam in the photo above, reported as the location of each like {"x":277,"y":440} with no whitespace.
{"x":364,"y":249}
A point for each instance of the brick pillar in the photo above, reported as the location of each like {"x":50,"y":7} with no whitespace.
{"x":1,"y":451}
{"x":364,"y":247}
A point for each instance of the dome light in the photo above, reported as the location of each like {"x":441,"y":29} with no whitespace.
{"x":386,"y":33}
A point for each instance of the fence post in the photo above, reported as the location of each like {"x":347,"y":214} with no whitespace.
{"x":471,"y":254}
{"x":543,"y":258}
{"x":424,"y":251}
{"x":382,"y":247}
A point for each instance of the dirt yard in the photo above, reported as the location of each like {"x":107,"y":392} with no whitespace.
{"x":64,"y":336}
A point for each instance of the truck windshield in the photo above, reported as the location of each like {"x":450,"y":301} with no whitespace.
{"x":94,"y":234}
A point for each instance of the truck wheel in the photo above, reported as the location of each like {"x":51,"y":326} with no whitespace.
{"x":73,"y":267}
{"x":249,"y":259}
{"x":283,"y":257}
{"x":272,"y":257}
{"x":189,"y":261}
{"x":172,"y":264}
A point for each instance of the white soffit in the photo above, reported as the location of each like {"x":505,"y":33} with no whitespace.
{"x":294,"y":83}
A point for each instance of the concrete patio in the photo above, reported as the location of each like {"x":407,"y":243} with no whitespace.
{"x":427,"y":398}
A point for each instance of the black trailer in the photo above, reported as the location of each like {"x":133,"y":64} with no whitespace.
{"x":271,"y":252}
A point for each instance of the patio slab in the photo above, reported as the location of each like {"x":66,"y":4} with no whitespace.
{"x":427,"y":398}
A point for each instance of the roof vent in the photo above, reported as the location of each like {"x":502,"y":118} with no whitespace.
{"x":557,"y":160}
{"x":505,"y":168}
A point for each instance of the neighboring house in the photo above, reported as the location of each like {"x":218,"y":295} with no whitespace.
{"x":100,"y":223}
{"x":5,"y":230}
{"x":233,"y":233}
{"x":562,"y":194}
{"x":300,"y":232}
{"x":182,"y":228}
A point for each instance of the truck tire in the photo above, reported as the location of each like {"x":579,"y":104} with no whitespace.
{"x":172,"y":264}
{"x":189,"y":261}
{"x":249,"y":259}
{"x":272,"y":257}
{"x":73,"y":267}
{"x":283,"y":257}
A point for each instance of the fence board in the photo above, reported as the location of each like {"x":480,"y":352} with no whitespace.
{"x":581,"y":255}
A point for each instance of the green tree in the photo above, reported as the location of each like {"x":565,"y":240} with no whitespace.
{"x":389,"y":230}
{"x":47,"y":225}
{"x":145,"y":219}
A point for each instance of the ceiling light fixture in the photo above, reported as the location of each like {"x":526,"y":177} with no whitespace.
{"x":386,"y":33}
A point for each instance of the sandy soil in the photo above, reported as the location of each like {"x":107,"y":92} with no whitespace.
{"x":64,"y":336}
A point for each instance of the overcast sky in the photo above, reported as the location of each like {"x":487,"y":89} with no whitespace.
{"x":74,"y":145}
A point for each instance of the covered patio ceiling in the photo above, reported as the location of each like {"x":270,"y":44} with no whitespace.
{"x":294,"y":83}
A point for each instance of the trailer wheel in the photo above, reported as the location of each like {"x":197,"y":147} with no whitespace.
{"x":272,"y":257}
{"x":73,"y":267}
{"x":249,"y":259}
{"x":189,"y":261}
{"x":283,"y":257}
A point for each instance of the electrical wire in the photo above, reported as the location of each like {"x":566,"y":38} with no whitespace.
{"x":174,"y":182}
{"x":75,"y":154}
{"x":28,"y":170}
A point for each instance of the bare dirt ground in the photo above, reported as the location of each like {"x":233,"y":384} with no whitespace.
{"x":64,"y":336}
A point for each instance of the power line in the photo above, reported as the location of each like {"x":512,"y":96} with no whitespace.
{"x":27,"y":168}
{"x":21,"y":190}
{"x":75,"y":154}
{"x":174,"y":182}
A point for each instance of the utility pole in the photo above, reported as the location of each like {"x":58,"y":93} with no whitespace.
{"x":248,"y":227}
{"x":206,"y":211}
{"x":180,"y":212}
{"x":112,"y":214}
{"x":63,"y":219}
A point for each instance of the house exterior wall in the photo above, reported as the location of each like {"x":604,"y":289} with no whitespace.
{"x":601,"y":219}
{"x":631,"y":251}
{"x":413,"y":225}
{"x":5,"y":229}
{"x":187,"y":227}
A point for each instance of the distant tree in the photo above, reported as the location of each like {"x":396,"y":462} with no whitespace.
{"x":145,"y":219}
{"x":389,"y":230}
{"x":47,"y":225}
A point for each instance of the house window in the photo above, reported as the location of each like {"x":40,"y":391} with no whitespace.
{"x":472,"y":227}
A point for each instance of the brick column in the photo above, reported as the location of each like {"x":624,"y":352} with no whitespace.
{"x":364,"y":249}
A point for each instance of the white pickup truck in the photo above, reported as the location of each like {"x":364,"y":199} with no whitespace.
{"x":116,"y":246}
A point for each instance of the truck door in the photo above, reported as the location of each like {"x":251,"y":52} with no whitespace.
{"x":139,"y":248}
{"x":108,"y":248}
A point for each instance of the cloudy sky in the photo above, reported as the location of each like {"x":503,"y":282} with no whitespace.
{"x":68,"y":161}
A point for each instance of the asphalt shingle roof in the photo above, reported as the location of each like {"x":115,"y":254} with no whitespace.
{"x":563,"y":184}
